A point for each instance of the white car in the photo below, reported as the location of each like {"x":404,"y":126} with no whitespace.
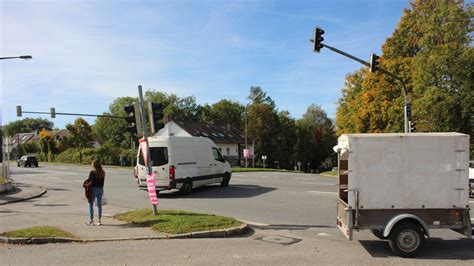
{"x":471,"y":179}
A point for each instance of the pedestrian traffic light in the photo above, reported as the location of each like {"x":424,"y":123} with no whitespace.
{"x":374,"y":61}
{"x":412,"y":126}
{"x":155,"y":112}
{"x":133,"y":118}
{"x":53,"y":112}
{"x":317,"y":39}
{"x":18,"y":110}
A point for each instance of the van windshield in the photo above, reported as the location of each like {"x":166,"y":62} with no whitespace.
{"x":159,"y":156}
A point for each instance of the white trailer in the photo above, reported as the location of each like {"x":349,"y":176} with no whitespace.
{"x":402,"y":185}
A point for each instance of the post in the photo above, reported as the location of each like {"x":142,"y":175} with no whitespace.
{"x":145,"y":137}
{"x":245,"y":125}
{"x":132,"y":151}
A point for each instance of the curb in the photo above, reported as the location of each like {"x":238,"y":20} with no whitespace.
{"x":222,"y":233}
{"x":32,"y":196}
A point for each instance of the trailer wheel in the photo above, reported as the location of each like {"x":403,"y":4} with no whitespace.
{"x":186,"y":188}
{"x":406,"y":239}
{"x":378,"y":233}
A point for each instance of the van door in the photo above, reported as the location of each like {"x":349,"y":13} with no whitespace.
{"x":159,"y":164}
{"x":218,"y":165}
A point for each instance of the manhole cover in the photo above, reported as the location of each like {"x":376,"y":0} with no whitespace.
{"x":282,"y":240}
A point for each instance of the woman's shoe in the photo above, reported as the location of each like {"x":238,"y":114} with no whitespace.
{"x":99,"y":223}
{"x":89,"y":223}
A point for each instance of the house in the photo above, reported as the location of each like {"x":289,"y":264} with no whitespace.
{"x":230,"y":141}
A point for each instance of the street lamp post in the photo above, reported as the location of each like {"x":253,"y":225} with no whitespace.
{"x":245,"y":123}
{"x":25,"y":57}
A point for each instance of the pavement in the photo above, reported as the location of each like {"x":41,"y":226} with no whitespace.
{"x":15,"y":217}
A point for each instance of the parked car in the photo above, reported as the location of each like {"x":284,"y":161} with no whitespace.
{"x":27,"y":161}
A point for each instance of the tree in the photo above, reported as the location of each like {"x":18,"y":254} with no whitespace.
{"x":262,"y":125}
{"x":80,"y":135}
{"x":227,"y":112}
{"x":286,"y":140}
{"x":263,"y":98}
{"x":431,"y":51}
{"x":47,"y":145}
{"x":315,"y":137}
{"x":27,"y":125}
{"x":177,"y":108}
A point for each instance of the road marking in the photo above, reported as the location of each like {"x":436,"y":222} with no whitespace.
{"x":324,"y":184}
{"x":471,"y":201}
{"x":254,"y":223}
{"x":77,"y":180}
{"x":53,"y":177}
{"x":323,"y":192}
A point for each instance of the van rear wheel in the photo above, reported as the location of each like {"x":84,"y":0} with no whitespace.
{"x":186,"y":188}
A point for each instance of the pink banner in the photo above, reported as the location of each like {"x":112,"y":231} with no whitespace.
{"x":150,"y":183}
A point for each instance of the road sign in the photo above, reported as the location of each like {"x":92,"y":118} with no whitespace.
{"x":264,"y":157}
{"x":246,"y":153}
{"x":150,"y":183}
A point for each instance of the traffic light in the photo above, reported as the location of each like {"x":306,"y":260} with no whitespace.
{"x":134,"y":119}
{"x":155,"y":112}
{"x":374,"y":61}
{"x":53,"y":112}
{"x":412,"y":125}
{"x":18,"y":110}
{"x":317,"y":39}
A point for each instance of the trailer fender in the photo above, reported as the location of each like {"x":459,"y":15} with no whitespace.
{"x":398,"y":218}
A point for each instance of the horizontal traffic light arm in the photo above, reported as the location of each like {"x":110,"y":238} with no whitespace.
{"x":74,"y":114}
{"x":365,"y":63}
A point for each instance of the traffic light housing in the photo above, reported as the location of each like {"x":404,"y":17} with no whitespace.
{"x":18,"y":110}
{"x":133,"y":118}
{"x":155,"y":112}
{"x":317,"y":39}
{"x":412,"y":125}
{"x":374,"y":61}
{"x":53,"y":112}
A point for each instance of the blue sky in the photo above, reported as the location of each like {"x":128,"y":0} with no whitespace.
{"x":87,"y":53}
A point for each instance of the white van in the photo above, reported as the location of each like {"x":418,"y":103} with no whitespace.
{"x":182,"y":163}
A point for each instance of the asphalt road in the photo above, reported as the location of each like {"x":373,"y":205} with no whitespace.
{"x":298,"y":208}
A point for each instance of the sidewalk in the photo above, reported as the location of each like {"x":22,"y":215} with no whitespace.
{"x":68,"y":210}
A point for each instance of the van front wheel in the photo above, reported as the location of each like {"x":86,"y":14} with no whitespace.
{"x":186,"y":188}
{"x":225,"y":180}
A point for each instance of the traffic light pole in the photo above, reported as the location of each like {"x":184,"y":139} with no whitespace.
{"x":145,"y":137}
{"x":74,"y":114}
{"x":407,"y":106}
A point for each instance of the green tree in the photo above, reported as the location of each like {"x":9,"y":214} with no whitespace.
{"x":80,"y":135}
{"x":262,"y":126}
{"x":27,"y":125}
{"x":315,"y":137}
{"x":286,"y":140}
{"x":47,"y":145}
{"x":227,"y":112}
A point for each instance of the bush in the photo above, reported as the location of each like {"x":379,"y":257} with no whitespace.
{"x":107,"y":154}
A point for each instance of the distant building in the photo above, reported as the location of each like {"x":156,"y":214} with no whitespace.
{"x":229,"y":140}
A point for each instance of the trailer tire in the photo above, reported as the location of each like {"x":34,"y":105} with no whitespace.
{"x":406,"y":239}
{"x":378,"y":233}
{"x":186,"y":188}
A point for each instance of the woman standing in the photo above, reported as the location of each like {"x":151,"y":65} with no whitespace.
{"x":96,"y":178}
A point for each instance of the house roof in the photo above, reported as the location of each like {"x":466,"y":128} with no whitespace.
{"x":217,"y":133}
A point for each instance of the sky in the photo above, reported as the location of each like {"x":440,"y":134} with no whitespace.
{"x":88,"y":53}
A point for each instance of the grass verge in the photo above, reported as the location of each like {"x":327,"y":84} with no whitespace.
{"x":333,"y":173}
{"x":262,"y":170}
{"x":177,"y":222}
{"x":38,"y":231}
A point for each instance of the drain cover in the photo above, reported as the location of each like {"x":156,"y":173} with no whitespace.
{"x":282,"y":240}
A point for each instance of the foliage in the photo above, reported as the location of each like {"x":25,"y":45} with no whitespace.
{"x":177,"y":222}
{"x":80,"y":135}
{"x":27,"y":125}
{"x":227,"y":112}
{"x":47,"y":146}
{"x":286,"y":140}
{"x":431,"y":51}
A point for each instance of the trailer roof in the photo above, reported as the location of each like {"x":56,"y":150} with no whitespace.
{"x":429,"y":134}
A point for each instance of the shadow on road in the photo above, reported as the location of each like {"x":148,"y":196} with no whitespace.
{"x":217,"y":192}
{"x":291,"y":227}
{"x":435,"y":248}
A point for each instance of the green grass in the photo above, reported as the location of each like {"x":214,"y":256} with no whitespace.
{"x":38,"y":231}
{"x":3,"y":180}
{"x":177,"y":222}
{"x":333,"y":173}
{"x":260,"y":170}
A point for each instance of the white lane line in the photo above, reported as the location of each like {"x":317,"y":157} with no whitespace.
{"x":255,"y":223}
{"x":77,"y":180}
{"x":471,"y":201}
{"x":57,"y":172}
{"x":53,"y":177}
{"x":323,"y":192}
{"x":323,"y":184}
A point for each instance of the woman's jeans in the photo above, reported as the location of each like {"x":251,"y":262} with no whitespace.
{"x":96,"y":195}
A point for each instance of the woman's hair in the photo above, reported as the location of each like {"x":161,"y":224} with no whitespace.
{"x":100,"y":173}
